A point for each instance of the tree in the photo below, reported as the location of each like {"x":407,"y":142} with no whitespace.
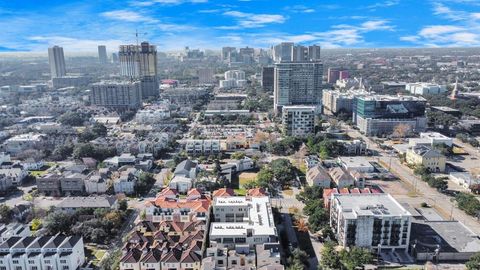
{"x":330,"y":259}
{"x":59,"y":222}
{"x":302,"y":226}
{"x":299,"y":259}
{"x":468,"y":203}
{"x":474,"y":262}
{"x":72,"y":119}
{"x":112,"y":261}
{"x":99,"y":129}
{"x":318,"y":219}
{"x":282,"y":170}
{"x":354,"y":258}
{"x":5,"y":214}
{"x":63,"y":151}
{"x":238,"y":155}
{"x":264,"y":177}
{"x":123,"y":205}
{"x":36,"y":224}
{"x":401,"y":131}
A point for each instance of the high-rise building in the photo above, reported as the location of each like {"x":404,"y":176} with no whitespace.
{"x":206,"y":75}
{"x":298,"y":120}
{"x":299,"y":53}
{"x":297,"y":83}
{"x":102,"y":54}
{"x":123,"y":95}
{"x":114,"y":58}
{"x":56,"y":60}
{"x":344,"y":74}
{"x":233,"y":78}
{"x":288,"y":51}
{"x":314,"y":52}
{"x":247,"y":55}
{"x":333,"y":75}
{"x":140,"y":62}
{"x":227,"y":51}
{"x":283,"y":51}
{"x":268,"y":78}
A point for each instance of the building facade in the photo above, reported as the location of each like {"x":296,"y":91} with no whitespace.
{"x":380,"y":114}
{"x":124,"y":95}
{"x":297,"y":83}
{"x":373,"y":221}
{"x":56,"y":60}
{"x":298,"y":120}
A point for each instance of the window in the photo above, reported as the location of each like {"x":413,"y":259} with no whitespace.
{"x":65,"y":267}
{"x":63,"y":261}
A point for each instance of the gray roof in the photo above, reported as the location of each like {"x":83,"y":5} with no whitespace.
{"x":185,"y":165}
{"x":452,"y":236}
{"x":88,"y":202}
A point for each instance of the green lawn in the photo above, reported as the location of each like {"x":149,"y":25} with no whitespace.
{"x":240,"y":192}
{"x":246,"y":177}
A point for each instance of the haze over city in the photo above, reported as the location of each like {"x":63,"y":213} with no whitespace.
{"x":240,"y":135}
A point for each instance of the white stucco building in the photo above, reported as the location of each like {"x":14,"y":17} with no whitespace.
{"x":370,"y":221}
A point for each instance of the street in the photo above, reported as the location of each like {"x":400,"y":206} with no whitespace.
{"x":441,"y":202}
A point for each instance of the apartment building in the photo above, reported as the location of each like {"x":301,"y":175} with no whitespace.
{"x":428,"y":157}
{"x":120,"y":95}
{"x":373,"y":221}
{"x":421,"y":88}
{"x":169,"y":207}
{"x":166,"y":245}
{"x":298,"y":120}
{"x":336,"y":101}
{"x":42,"y":253}
{"x":242,"y":221}
{"x":202,"y":147}
{"x":297,"y":83}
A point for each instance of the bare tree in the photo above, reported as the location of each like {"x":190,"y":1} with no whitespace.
{"x":401,"y":131}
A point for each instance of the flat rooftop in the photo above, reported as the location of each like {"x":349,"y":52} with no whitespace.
{"x":393,"y":98}
{"x":451,"y":236}
{"x":259,"y":214}
{"x":374,"y":204}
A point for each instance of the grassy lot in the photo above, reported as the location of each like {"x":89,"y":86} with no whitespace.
{"x":240,"y":192}
{"x":95,"y":254}
{"x":246,"y":177}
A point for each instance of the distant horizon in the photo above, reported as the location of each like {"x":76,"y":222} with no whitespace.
{"x":80,"y":25}
{"x":94,"y":53}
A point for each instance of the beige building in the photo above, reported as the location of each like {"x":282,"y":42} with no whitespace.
{"x":426,"y":156}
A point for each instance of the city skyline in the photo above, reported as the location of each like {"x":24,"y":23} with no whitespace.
{"x":174,"y":24}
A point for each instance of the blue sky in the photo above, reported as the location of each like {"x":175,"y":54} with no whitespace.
{"x":32,"y":25}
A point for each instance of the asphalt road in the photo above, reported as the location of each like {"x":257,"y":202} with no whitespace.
{"x":441,"y":202}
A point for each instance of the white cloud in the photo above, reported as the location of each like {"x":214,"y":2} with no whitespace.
{"x":299,"y":9}
{"x":165,"y":2}
{"x":128,"y":16}
{"x":384,"y":4}
{"x":252,"y":20}
{"x":72,"y":44}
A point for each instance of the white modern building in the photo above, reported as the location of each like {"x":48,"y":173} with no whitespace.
{"x":298,"y":120}
{"x":436,"y":138}
{"x":202,"y":147}
{"x":118,"y":95}
{"x":242,"y":221}
{"x":23,"y":142}
{"x":42,"y":253}
{"x":374,"y":221}
{"x":421,"y":88}
{"x":152,"y":115}
{"x":233,"y":79}
{"x":359,"y":164}
{"x":464,"y":179}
